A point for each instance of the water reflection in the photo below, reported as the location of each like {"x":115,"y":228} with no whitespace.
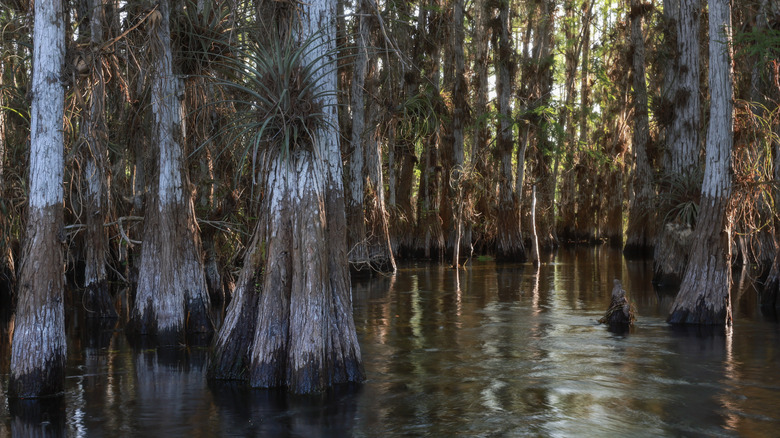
{"x":523,"y":354}
{"x":490,"y":350}
{"x":261,"y":413}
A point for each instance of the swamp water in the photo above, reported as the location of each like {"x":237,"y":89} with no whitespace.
{"x":500,"y":350}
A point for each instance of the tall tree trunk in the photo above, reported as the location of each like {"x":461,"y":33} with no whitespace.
{"x":356,"y":218}
{"x":453,"y":157}
{"x":682,"y":163}
{"x":509,"y":243}
{"x":769,"y":295}
{"x":429,"y":236}
{"x":568,"y":187}
{"x":304,"y":335}
{"x":368,"y":248}
{"x":97,"y":299}
{"x":640,"y":233}
{"x":38,"y":346}
{"x":540,"y":160}
{"x":380,"y":247}
{"x":586,"y":180}
{"x":480,"y":136}
{"x":171,"y":297}
{"x":704,"y":296}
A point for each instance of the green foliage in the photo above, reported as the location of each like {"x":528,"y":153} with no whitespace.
{"x":417,"y":116}
{"x":200,"y":38}
{"x":679,"y":197}
{"x":763,"y":43}
{"x":278,"y":100}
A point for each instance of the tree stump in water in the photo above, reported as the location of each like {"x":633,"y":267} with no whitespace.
{"x":620,"y":311}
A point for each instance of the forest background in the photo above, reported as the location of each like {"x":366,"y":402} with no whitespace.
{"x":490,"y":127}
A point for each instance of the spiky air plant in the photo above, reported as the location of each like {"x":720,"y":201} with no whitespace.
{"x":201,"y":36}
{"x":679,"y":198}
{"x":276,"y":95}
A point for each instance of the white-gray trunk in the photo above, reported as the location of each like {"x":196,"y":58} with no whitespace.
{"x":358,"y":251}
{"x":171,"y":296}
{"x":38,"y":346}
{"x":704,"y":296}
{"x":683,"y":143}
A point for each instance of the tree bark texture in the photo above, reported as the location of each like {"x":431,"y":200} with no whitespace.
{"x":379,"y":245}
{"x":171,"y":297}
{"x":568,"y":188}
{"x":682,"y":160}
{"x":356,"y":234}
{"x":640,"y":232}
{"x":683,"y":144}
{"x":509,"y":243}
{"x":303,"y":335}
{"x":453,"y":157}
{"x":38,"y":346}
{"x":704,"y":296}
{"x":480,"y":135}
{"x":540,"y":144}
{"x":97,"y":301}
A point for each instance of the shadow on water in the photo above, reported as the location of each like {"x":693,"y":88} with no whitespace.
{"x":490,"y":350}
{"x":273,"y":412}
{"x":46,"y":417}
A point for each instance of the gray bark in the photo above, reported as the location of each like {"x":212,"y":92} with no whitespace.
{"x":704,"y":296}
{"x":683,"y":147}
{"x":640,"y":232}
{"x":171,"y":297}
{"x":509,"y":244}
{"x":38,"y":346}
{"x":97,"y":301}
{"x":303,"y":337}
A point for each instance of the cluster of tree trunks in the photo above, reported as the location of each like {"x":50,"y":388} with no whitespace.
{"x":412,"y":186}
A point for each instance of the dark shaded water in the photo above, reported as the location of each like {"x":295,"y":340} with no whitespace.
{"x":504,"y":351}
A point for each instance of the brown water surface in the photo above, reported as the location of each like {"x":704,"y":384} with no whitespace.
{"x":499,"y":350}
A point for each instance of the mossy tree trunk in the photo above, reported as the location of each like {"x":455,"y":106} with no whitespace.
{"x":640,"y":232}
{"x":683,"y":145}
{"x":480,"y":135}
{"x":356,"y":234}
{"x":171,"y":296}
{"x":453,"y":157}
{"x":704,"y":296}
{"x":38,"y":346}
{"x":295,"y":277}
{"x":97,"y":301}
{"x":509,"y":243}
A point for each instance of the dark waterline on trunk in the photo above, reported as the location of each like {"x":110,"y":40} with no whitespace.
{"x":498,"y":350}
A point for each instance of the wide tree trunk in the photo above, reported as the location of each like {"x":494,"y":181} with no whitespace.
{"x":97,"y":300}
{"x":171,"y":297}
{"x":704,"y":296}
{"x":38,"y":350}
{"x":640,"y":232}
{"x":296,"y":270}
{"x":509,"y":242}
{"x":683,"y":116}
